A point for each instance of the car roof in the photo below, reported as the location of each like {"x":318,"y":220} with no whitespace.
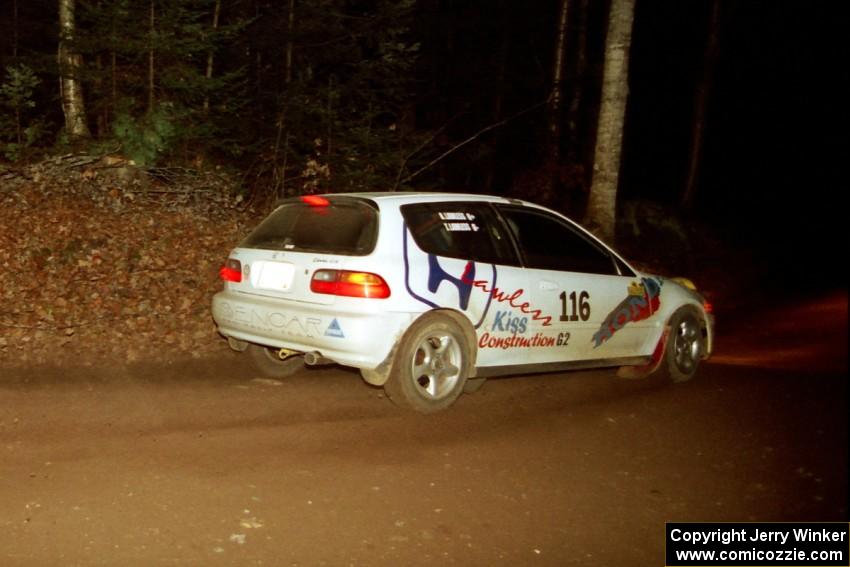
{"x":403,"y":197}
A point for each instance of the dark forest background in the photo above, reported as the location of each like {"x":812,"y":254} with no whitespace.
{"x":298,"y":96}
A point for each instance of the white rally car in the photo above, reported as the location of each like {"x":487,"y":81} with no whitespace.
{"x":430,"y":293}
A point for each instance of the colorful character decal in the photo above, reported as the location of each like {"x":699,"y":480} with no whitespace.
{"x":642,"y":302}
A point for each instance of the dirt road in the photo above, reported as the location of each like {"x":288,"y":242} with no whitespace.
{"x":201,"y":463}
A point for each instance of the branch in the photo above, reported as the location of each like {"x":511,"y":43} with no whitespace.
{"x":478,"y":134}
{"x":421,"y":146}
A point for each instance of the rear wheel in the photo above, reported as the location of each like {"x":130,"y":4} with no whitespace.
{"x":271,"y":364}
{"x":430,"y":366}
{"x":684,"y":345}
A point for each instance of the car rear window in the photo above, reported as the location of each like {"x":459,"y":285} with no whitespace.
{"x":469,"y":231}
{"x":338,"y":226}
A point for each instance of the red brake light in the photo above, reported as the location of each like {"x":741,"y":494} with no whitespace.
{"x":231,"y":271}
{"x":706,"y":304}
{"x":315,"y":200}
{"x":349,"y":284}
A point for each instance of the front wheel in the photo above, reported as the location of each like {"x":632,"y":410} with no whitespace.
{"x":684,"y":347}
{"x":269,"y":362}
{"x":431,"y":365}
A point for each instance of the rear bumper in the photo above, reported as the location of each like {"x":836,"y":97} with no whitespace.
{"x":361,"y":340}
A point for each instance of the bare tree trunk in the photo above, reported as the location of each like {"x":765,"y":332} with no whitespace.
{"x":557,"y":94}
{"x":289,"y":43}
{"x":553,"y":192}
{"x":209,"y":73}
{"x":102,"y":108}
{"x":19,"y":130}
{"x":602,"y":206}
{"x":576,"y":99}
{"x":282,"y":126}
{"x":151,"y":60}
{"x":258,"y":58}
{"x":499,"y":96}
{"x":701,"y":105}
{"x":257,"y":54}
{"x":113,"y":95}
{"x":330,"y":124}
{"x":70,"y":86}
{"x":98,"y":88}
{"x":14,"y":29}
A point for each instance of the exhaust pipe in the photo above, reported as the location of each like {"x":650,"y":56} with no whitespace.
{"x":316,"y":359}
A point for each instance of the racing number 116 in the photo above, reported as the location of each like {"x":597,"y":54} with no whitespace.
{"x":575,"y":307}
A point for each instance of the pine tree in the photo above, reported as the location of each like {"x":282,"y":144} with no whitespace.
{"x":16,"y":94}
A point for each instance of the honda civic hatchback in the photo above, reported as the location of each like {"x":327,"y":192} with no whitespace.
{"x":428,"y":294}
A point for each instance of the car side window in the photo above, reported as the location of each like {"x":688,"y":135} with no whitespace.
{"x":549,"y":243}
{"x":469,"y":231}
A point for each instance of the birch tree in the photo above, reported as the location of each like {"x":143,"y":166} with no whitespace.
{"x":602,"y":206}
{"x":70,"y":85}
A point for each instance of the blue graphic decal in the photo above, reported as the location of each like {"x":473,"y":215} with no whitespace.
{"x":437,"y":275}
{"x":334,"y":330}
{"x":407,"y":270}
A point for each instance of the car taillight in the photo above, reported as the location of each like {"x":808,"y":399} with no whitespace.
{"x":349,"y":284}
{"x":231,"y":271}
{"x":706,"y":304}
{"x":315,"y":200}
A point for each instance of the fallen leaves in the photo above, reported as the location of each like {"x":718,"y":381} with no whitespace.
{"x":90,"y":275}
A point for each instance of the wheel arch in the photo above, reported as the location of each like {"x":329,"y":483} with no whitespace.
{"x":702,"y":318}
{"x":379,"y":376}
{"x":679,"y":361}
{"x":659,"y":354}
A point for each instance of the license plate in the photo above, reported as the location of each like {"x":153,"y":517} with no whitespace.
{"x":276,"y":276}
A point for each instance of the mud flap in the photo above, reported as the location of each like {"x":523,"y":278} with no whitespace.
{"x":380,"y":375}
{"x":636,"y":372}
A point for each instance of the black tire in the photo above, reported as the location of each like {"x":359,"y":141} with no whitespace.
{"x":267,"y":361}
{"x":431,"y":365}
{"x":685,"y":347}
